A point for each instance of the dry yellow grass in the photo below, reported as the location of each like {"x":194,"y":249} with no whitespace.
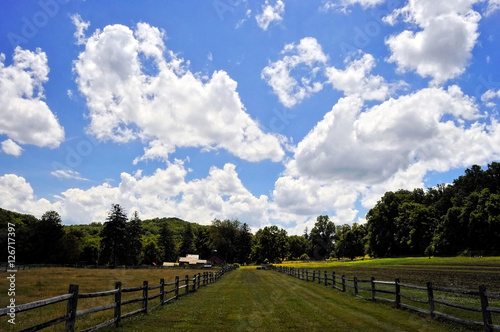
{"x":42,"y":283}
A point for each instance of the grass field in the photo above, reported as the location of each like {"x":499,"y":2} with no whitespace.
{"x":250,"y":299}
{"x":42,"y":283}
{"x":449,"y":272}
{"x":256,"y":300}
{"x":454,"y":272}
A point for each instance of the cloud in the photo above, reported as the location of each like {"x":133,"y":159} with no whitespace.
{"x":270,"y":14}
{"x":309,"y":54}
{"x":357,"y":153}
{"x":81,"y":27}
{"x":136,"y":88}
{"x":167,"y":193}
{"x":10,"y":147}
{"x":442,"y":48}
{"x":240,"y":23}
{"x":488,"y":96}
{"x":371,"y":146}
{"x":304,"y":196}
{"x":22,"y":106}
{"x":355,"y":79}
{"x":308,"y":57}
{"x":17,"y":195}
{"x":68,"y":174}
{"x":156,"y":150}
{"x":343,"y":5}
{"x":493,"y":6}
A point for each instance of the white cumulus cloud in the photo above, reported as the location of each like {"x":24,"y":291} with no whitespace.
{"x":270,"y":13}
{"x":357,"y":153}
{"x":356,"y":79}
{"x":307,"y":54}
{"x":21,"y":97}
{"x":489,"y":96}
{"x":443,"y":46}
{"x":136,"y":88}
{"x":17,"y":195}
{"x":10,"y":147}
{"x":166,"y":192}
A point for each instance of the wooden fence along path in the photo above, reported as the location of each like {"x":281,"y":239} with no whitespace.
{"x":166,"y":294}
{"x":393,"y":288}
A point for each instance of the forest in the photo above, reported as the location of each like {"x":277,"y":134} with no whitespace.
{"x":461,"y":218}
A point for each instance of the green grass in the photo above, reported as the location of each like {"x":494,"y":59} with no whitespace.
{"x":450,"y":272}
{"x":453,"y":272}
{"x":248,"y":299}
{"x":256,"y":300}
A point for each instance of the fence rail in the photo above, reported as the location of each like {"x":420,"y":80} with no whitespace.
{"x":72,"y":312}
{"x":394,"y":289}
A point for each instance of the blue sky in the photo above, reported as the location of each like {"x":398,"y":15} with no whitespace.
{"x":271,"y":112}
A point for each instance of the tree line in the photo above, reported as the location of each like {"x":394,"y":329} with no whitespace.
{"x":123,"y":240}
{"x":458,"y":218}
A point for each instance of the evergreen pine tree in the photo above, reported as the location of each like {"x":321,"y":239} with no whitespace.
{"x":187,"y":246}
{"x":134,"y":234}
{"x":167,"y":244}
{"x":114,"y":237}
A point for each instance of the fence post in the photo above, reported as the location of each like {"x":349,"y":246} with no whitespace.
{"x":162,"y":291}
{"x":372,"y":282}
{"x":484,"y":305}
{"x":333,"y":279}
{"x":307,"y":275}
{"x":176,"y":287}
{"x":199,"y":279}
{"x":314,"y":276}
{"x":71,"y":308}
{"x":187,"y":284}
{"x":145,"y":295}
{"x":343,"y":283}
{"x":398,"y":293}
{"x":326,"y":279}
{"x":430,"y":297}
{"x":118,"y":303}
{"x":355,"y":286}
{"x":319,"y":277}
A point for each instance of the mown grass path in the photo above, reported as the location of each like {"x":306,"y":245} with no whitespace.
{"x":258,"y":300}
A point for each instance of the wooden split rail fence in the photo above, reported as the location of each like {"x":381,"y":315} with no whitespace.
{"x":168,"y":291}
{"x":394,"y":288}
